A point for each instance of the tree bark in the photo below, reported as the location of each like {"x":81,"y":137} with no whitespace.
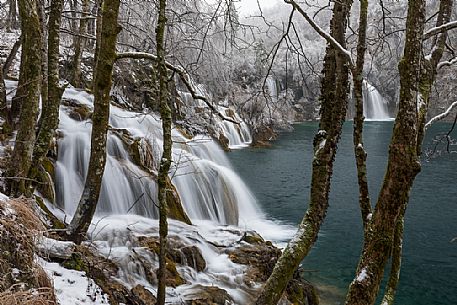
{"x":102,"y":86}
{"x":334,"y":101}
{"x":384,"y":238}
{"x":80,"y":43}
{"x":165,"y":162}
{"x":31,"y":80}
{"x":50,"y":112}
{"x":11,"y":56}
{"x":359,"y":151}
{"x":3,"y":107}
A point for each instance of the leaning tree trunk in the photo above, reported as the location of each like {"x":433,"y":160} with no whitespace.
{"x":31,"y":67}
{"x":102,"y":86}
{"x":334,"y":100}
{"x":50,"y":112}
{"x":165,"y":161}
{"x":3,"y":107}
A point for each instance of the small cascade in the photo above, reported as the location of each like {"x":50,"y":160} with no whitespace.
{"x":238,"y":135}
{"x":374,"y":105}
{"x":272,"y":88}
{"x":208,"y":187}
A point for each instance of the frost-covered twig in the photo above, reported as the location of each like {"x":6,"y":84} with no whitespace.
{"x":321,"y":32}
{"x":441,"y":115}
{"x":439,"y":29}
{"x":184,"y":76}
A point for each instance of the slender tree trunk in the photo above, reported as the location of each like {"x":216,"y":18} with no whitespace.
{"x":11,"y":22}
{"x":11,"y":56}
{"x":80,"y":43}
{"x":50,"y":112}
{"x":385,"y":229}
{"x":359,"y":151}
{"x":31,"y":67}
{"x":334,"y":100}
{"x":98,"y":27}
{"x":165,"y":162}
{"x":102,"y":86}
{"x":44,"y":53}
{"x":3,"y":107}
{"x":21,"y":90}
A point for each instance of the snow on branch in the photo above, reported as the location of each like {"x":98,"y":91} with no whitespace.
{"x":321,"y":32}
{"x":184,"y":76}
{"x":439,"y":29}
{"x":447,"y":63}
{"x":441,"y":116}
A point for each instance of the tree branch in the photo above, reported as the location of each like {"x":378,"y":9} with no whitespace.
{"x":321,"y":32}
{"x":440,"y":29}
{"x":441,"y":116}
{"x":184,"y":76}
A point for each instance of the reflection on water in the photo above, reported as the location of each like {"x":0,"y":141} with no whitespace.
{"x":280,"y":178}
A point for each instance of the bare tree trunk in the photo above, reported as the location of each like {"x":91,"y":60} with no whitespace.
{"x":31,"y":66}
{"x":334,"y":100}
{"x":3,"y":107}
{"x":11,"y":22}
{"x":417,"y":74}
{"x":80,"y":43}
{"x":44,"y":53}
{"x":359,"y":151}
{"x":98,"y":27}
{"x":50,"y":112}
{"x":165,"y":162}
{"x":102,"y":86}
{"x":11,"y":56}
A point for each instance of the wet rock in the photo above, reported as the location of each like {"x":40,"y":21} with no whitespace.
{"x":208,"y":295}
{"x":252,"y":237}
{"x":143,"y":295}
{"x":262,"y":136}
{"x":224,"y":142}
{"x":190,"y":256}
{"x":76,"y":110}
{"x":300,"y":292}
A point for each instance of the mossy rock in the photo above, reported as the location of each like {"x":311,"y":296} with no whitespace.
{"x":76,"y":263}
{"x":224,"y":141}
{"x":300,"y":292}
{"x":208,"y":295}
{"x":252,"y":237}
{"x":174,"y":204}
{"x":143,"y":295}
{"x":55,"y":222}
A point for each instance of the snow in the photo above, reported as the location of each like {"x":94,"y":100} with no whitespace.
{"x":369,"y":216}
{"x":3,"y":197}
{"x":62,"y":248}
{"x":363,"y":275}
{"x":73,"y":287}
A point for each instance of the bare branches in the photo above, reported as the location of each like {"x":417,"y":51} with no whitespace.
{"x":183,"y":75}
{"x":321,"y":32}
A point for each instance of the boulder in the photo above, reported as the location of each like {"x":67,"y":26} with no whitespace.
{"x":208,"y":295}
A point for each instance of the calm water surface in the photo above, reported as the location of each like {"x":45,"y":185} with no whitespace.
{"x":280,"y":177}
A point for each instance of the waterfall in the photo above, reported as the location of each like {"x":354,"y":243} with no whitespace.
{"x":208,"y":187}
{"x":238,"y":135}
{"x":374,"y":105}
{"x":272,"y":88}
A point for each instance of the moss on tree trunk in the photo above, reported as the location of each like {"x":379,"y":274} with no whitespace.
{"x":102,"y":86}
{"x":30,"y":90}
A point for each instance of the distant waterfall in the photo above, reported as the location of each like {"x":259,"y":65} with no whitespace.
{"x":272,"y":88}
{"x":208,"y":187}
{"x":374,"y":105}
{"x":238,"y":135}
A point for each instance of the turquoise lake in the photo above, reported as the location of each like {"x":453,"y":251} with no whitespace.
{"x":279,"y":176}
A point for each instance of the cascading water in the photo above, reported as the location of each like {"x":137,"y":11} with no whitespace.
{"x":208,"y":187}
{"x":238,"y":135}
{"x":374,"y":105}
{"x":272,"y":88}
